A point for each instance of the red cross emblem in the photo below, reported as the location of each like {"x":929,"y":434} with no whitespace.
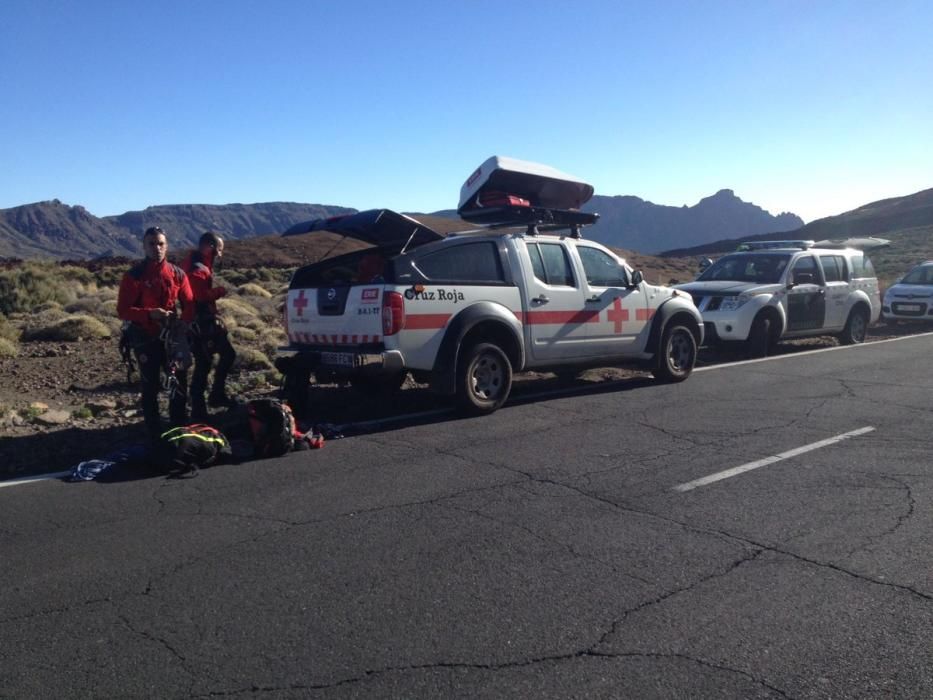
{"x":300,"y":302}
{"x":617,"y":315}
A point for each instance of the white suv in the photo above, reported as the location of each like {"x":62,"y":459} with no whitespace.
{"x":775,"y":290}
{"x":911,"y":298}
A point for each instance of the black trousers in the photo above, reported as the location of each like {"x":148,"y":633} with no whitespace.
{"x":151,"y":358}
{"x":212,"y":340}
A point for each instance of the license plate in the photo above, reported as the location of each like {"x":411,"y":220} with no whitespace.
{"x":909,"y":307}
{"x":337,"y":359}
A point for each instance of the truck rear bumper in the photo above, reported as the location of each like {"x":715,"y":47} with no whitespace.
{"x":339,"y":361}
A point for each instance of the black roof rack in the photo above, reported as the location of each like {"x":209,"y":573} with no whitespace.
{"x":768,"y":245}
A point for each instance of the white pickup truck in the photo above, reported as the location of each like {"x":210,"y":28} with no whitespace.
{"x":465,"y":311}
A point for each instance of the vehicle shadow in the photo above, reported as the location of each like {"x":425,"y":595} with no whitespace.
{"x":339,"y":411}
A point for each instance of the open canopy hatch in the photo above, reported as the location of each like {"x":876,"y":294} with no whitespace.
{"x":506,"y":191}
{"x":384,"y":228}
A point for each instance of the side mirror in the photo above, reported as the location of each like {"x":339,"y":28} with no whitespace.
{"x":705,"y":263}
{"x":637,"y":278}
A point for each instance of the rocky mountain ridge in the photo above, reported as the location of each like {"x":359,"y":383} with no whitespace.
{"x":897,"y":217}
{"x":52,"y":229}
{"x":634,"y":223}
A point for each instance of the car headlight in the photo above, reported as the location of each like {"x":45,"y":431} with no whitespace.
{"x":736,"y":302}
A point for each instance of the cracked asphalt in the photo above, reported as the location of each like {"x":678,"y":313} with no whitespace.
{"x":539,"y":552}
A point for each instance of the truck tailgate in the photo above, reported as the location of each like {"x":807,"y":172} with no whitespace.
{"x":339,"y":315}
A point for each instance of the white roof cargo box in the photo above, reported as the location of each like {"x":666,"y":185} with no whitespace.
{"x":507,"y":186}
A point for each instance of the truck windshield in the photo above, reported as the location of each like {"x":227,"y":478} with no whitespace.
{"x":763,"y":268}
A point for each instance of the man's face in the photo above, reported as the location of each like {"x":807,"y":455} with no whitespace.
{"x":156,"y":246}
{"x":219,"y":253}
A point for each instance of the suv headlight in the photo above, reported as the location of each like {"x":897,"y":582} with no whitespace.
{"x":736,"y":302}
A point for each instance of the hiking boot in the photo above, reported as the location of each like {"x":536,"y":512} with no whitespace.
{"x":220,"y":400}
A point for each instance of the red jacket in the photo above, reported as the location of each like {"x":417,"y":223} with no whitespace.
{"x":200,"y":271}
{"x":150,"y":285}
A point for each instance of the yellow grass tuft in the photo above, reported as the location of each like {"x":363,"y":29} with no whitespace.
{"x":68,"y":329}
{"x":8,"y":348}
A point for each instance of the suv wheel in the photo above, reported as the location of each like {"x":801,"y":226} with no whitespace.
{"x":856,"y":327}
{"x":484,"y":379}
{"x":759,"y":337}
{"x":677,"y":355}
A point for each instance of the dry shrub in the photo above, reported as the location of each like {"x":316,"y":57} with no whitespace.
{"x":251,"y":289}
{"x":35,"y":283}
{"x":85,"y":305}
{"x":47,"y":307}
{"x":8,"y":330}
{"x":8,"y":348}
{"x":273,"y":338}
{"x":68,"y":329}
{"x":106,"y":294}
{"x":244,"y":333}
{"x":43,"y":317}
{"x":252,"y":359}
{"x":237,"y":309}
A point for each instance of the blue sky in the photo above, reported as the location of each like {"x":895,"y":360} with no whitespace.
{"x":810,"y":107}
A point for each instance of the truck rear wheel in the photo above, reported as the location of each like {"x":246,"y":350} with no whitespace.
{"x":856,"y":327}
{"x":484,"y":379}
{"x":677,"y":355}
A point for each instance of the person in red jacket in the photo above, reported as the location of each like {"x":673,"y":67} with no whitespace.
{"x":209,"y":335}
{"x":150,"y":294}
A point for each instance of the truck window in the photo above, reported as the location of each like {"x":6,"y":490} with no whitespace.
{"x":861,"y":266}
{"x":471,"y":262}
{"x":805,"y":271}
{"x":550,"y":264}
{"x":834,"y":267}
{"x":601,"y":270}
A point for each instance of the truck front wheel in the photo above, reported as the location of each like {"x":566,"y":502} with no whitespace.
{"x":677,"y":355}
{"x":484,"y":379}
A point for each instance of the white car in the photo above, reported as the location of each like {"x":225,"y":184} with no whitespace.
{"x":774,"y":290}
{"x":911,"y":298}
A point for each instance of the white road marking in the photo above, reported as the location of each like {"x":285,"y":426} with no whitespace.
{"x":30,"y":479}
{"x":785,"y":356}
{"x":741,"y":469}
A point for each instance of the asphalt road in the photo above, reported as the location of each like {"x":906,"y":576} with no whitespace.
{"x":559,"y":548}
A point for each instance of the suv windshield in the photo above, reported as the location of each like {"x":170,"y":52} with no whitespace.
{"x":763,"y":268}
{"x":919,"y":275}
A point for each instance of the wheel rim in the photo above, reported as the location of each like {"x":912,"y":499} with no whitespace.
{"x":487,"y":377}
{"x":858,"y":327}
{"x":680,"y":351}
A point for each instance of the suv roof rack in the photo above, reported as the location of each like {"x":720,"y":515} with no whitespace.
{"x":862,"y":243}
{"x":766,"y":245}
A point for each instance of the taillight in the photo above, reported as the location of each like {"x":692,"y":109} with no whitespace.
{"x":393,"y":313}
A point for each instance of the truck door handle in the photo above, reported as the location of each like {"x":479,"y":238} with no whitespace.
{"x":595,"y":297}
{"x":540,"y":299}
